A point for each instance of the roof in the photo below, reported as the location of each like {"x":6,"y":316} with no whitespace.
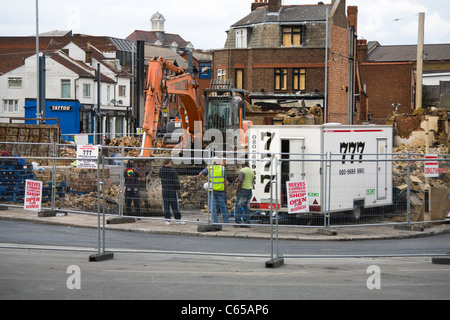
{"x":153,"y":36}
{"x":202,"y":57}
{"x":287,"y":14}
{"x":71,"y":64}
{"x":167,"y":54}
{"x":57,"y":33}
{"x":397,"y":53}
{"x":14,"y":50}
{"x":124,"y":45}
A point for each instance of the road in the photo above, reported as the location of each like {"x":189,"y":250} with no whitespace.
{"x":41,"y":234}
{"x":55,"y":274}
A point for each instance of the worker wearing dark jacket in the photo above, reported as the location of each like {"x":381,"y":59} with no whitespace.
{"x":171,"y":188}
{"x":132,"y":174}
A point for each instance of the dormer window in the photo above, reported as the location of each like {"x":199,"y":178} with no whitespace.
{"x":241,"y":38}
{"x":292,"y":36}
{"x":174,"y":46}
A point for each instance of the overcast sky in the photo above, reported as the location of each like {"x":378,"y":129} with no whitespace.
{"x":204,"y":22}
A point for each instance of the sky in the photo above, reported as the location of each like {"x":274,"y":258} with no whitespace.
{"x":204,"y":22}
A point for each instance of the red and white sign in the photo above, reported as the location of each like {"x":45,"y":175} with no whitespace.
{"x":431,"y":166}
{"x":297,"y":196}
{"x":33,"y":195}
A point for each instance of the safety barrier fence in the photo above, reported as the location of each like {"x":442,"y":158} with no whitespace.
{"x":298,"y":197}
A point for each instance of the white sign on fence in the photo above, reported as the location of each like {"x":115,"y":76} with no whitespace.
{"x":87,"y":156}
{"x":431,"y":166}
{"x":297,"y":196}
{"x":33,"y":195}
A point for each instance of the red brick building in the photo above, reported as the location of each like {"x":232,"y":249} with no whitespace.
{"x":280,"y":51}
{"x":388,"y":75}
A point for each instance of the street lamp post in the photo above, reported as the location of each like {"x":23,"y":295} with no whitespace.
{"x":38,"y":107}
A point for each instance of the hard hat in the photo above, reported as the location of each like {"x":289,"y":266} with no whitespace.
{"x":206,"y":186}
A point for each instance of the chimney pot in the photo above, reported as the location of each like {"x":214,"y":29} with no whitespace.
{"x":258,"y":4}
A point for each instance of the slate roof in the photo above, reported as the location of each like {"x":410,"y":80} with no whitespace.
{"x":153,"y":36}
{"x":14,"y":50}
{"x":401,"y":53}
{"x":80,"y":68}
{"x":287,"y":14}
{"x":166,"y":53}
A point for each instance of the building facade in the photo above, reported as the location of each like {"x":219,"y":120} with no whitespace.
{"x":71,"y":83}
{"x":388,"y":74}
{"x":281,"y":50}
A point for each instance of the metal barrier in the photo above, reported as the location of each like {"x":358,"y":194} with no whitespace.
{"x":379,"y":190}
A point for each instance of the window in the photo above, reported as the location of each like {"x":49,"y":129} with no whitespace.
{"x":299,"y":79}
{"x":15,"y":82}
{"x":10,"y":105}
{"x":292,"y":36}
{"x":122,"y":91}
{"x":65,"y":89}
{"x":280,"y":79}
{"x":239,"y":79}
{"x":119,"y":127}
{"x":221,"y":74}
{"x":86,"y":90}
{"x":241,"y":38}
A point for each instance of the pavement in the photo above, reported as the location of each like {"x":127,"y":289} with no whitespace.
{"x":194,"y":218}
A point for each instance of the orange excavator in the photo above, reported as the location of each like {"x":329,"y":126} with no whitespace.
{"x":223,"y":108}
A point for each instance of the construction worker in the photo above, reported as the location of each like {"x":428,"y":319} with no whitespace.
{"x":216,"y":174}
{"x":131,"y":175}
{"x":244,"y":195}
{"x":171,"y":189}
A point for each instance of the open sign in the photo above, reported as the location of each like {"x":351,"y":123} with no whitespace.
{"x":297,"y":196}
{"x":33,"y":195}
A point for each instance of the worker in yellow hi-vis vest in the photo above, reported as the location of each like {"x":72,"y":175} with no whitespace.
{"x":217,"y":177}
{"x":245,"y":185}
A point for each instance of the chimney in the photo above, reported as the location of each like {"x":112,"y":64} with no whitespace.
{"x":259,"y":4}
{"x":274,"y":5}
{"x":362,"y":50}
{"x":352,"y":14}
{"x":89,"y":53}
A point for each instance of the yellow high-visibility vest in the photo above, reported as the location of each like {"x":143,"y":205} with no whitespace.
{"x":216,"y":175}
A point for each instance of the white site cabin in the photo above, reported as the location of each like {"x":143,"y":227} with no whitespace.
{"x":361,"y":166}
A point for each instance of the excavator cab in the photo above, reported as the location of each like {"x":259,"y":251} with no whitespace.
{"x":224,"y":110}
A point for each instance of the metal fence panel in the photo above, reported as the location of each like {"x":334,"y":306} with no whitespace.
{"x":381,"y":189}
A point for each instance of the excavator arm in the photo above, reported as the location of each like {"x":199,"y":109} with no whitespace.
{"x":158,"y":86}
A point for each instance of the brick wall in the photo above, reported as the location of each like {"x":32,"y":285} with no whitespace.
{"x":388,"y":83}
{"x":338,"y":75}
{"x":259,"y":65}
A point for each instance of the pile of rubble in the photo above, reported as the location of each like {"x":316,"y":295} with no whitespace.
{"x":300,"y":116}
{"x":411,"y":129}
{"x":293,"y":116}
{"x":193,"y":195}
{"x":417,"y":175}
{"x":129,"y":143}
